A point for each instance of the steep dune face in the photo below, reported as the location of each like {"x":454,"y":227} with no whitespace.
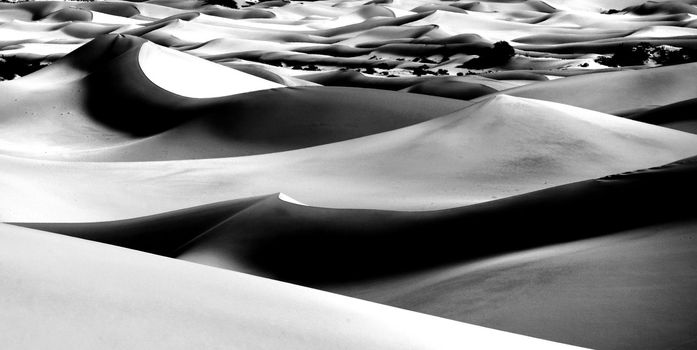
{"x":98,"y":103}
{"x":195,"y":78}
{"x":122,"y":98}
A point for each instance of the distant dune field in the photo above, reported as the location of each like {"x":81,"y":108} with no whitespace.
{"x":339,"y":174}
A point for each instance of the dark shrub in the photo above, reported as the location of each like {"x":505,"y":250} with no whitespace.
{"x":667,"y":57}
{"x":422,"y":70}
{"x":11,"y":67}
{"x":641,"y":53}
{"x":632,"y":55}
{"x":226,"y":3}
{"x":496,"y":56}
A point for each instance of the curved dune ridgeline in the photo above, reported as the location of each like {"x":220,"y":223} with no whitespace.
{"x":275,"y":238}
{"x":485,"y":151}
{"x":181,"y":173}
{"x":308,"y":245}
{"x":147,"y":121}
{"x":201,"y":305}
{"x":637,"y":89}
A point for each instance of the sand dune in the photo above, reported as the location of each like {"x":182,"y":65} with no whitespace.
{"x":382,"y":171}
{"x":333,"y":29}
{"x":194,"y":77}
{"x":391,"y":150}
{"x":619,"y":92}
{"x":607,"y":292}
{"x":293,"y":238}
{"x":677,"y":116}
{"x":273,"y":237}
{"x":220,"y":309}
{"x":452,"y":87}
{"x":91,"y":121}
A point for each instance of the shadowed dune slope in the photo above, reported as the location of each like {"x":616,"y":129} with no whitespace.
{"x":272,"y":237}
{"x":499,"y":148}
{"x":451,"y":89}
{"x":427,"y":261}
{"x":120,"y":98}
{"x":163,"y":234}
{"x":282,"y":120}
{"x":428,"y":84}
{"x":603,"y":293}
{"x":678,"y":116}
{"x":125,"y":299}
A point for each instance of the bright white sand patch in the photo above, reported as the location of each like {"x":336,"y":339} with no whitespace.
{"x":195,"y":77}
{"x":105,"y":18}
{"x":663,"y":32}
{"x":286,"y":198}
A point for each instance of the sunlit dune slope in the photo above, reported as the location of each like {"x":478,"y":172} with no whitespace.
{"x":122,"y":98}
{"x":85,"y":295}
{"x":100,"y":95}
{"x":619,"y":92}
{"x":611,"y":284}
{"x":272,"y":237}
{"x":501,"y":147}
{"x":610,"y":292}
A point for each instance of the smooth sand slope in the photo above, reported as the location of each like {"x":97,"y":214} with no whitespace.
{"x":277,"y":238}
{"x":123,"y":98}
{"x":85,"y":295}
{"x":596,"y":292}
{"x":677,"y":116}
{"x":619,"y":93}
{"x":75,"y":104}
{"x":629,"y":290}
{"x":499,"y":148}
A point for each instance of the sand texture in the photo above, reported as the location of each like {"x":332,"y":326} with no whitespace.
{"x":339,"y":174}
